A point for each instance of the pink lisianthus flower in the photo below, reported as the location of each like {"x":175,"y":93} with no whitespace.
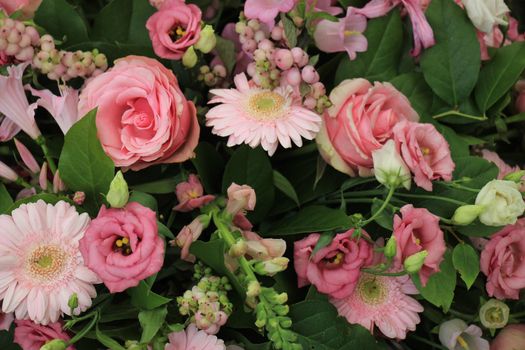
{"x":425,"y":152}
{"x":193,"y":339}
{"x":187,"y":235}
{"x":334,"y":269}
{"x":31,"y":336}
{"x":343,"y":35}
{"x":502,"y":262}
{"x":123,"y":246}
{"x":416,"y":230}
{"x":267,"y":10}
{"x":174,"y":28}
{"x":190,"y":195}
{"x":6,"y":320}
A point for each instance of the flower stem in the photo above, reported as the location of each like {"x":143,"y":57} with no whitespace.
{"x":85,"y":330}
{"x":452,"y":112}
{"x":428,"y":342}
{"x":424,"y":196}
{"x":389,"y":274}
{"x":50,"y":162}
{"x":382,"y":207}
{"x":462,"y":315}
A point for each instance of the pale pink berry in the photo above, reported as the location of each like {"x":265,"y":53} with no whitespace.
{"x":283,"y":59}
{"x":309,"y":74}
{"x":259,"y":36}
{"x":310,"y":102}
{"x":249,"y":46}
{"x":277,"y":33}
{"x":299,"y":56}
{"x":266,"y":45}
{"x":293,"y":76}
{"x":318,"y":90}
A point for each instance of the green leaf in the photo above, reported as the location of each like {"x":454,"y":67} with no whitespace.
{"x":61,"y":20}
{"x":290,"y":30}
{"x":226,"y":50}
{"x":118,"y":312}
{"x":143,"y":298}
{"x":441,"y":285}
{"x":164,"y":231}
{"x":107,"y":341}
{"x":451,"y":67}
{"x":209,"y":165}
{"x":310,"y":219}
{"x":252,"y":167}
{"x":477,"y":229}
{"x":324,"y":240}
{"x":466,"y":261}
{"x":414,"y":87}
{"x":5,"y":199}
{"x":386,"y":218}
{"x":124,"y":21}
{"x":499,"y":75}
{"x":145,"y":199}
{"x":381,"y":59}
{"x":151,"y":321}
{"x":319,"y":327}
{"x":158,"y":187}
{"x":285,"y":186}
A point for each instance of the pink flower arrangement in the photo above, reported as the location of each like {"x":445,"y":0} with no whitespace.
{"x":190,"y":195}
{"x":31,"y":336}
{"x":334,"y":269}
{"x":123,"y":246}
{"x":143,"y":117}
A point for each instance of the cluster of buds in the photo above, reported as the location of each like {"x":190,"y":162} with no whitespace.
{"x":65,"y":65}
{"x":212,"y":76}
{"x":17,"y":40}
{"x":205,"y":44}
{"x":207,"y":303}
{"x":275,"y":64}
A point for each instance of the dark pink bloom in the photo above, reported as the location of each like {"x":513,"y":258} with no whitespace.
{"x":416,"y":230}
{"x":32,"y":336}
{"x":190,"y":195}
{"x":502,"y":261}
{"x":334,"y":269}
{"x":123,"y":246}
{"x":6,"y":320}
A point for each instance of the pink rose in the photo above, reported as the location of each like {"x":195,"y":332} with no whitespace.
{"x":32,"y":336}
{"x":502,"y":262}
{"x":425,"y":152}
{"x":190,"y":195}
{"x":143,"y":117}
{"x":123,"y":246}
{"x":6,"y":320}
{"x":511,"y":337}
{"x":359,"y":122}
{"x":28,"y":7}
{"x":174,"y":28}
{"x":240,"y":198}
{"x":415,"y":230}
{"x":334,"y":269}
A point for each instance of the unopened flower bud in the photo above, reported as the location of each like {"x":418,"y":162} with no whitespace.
{"x":271,"y":267}
{"x":55,"y":344}
{"x":515,"y":176}
{"x":466,"y":214}
{"x":73,"y":301}
{"x":254,"y":289}
{"x":494,"y":314}
{"x":189,"y":59}
{"x":415,"y":261}
{"x":391,"y":247}
{"x":118,"y":194}
{"x":238,"y":249}
{"x":207,"y":40}
{"x":389,"y":168}
{"x":79,"y":197}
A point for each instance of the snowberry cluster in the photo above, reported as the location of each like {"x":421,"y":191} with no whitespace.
{"x":275,"y":64}
{"x":212,"y":76}
{"x":17,"y":40}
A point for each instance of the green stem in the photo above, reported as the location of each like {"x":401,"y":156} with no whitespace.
{"x":382,"y":207}
{"x":23,"y":183}
{"x":462,"y":315}
{"x":50,"y":162}
{"x":426,"y":341}
{"x":452,"y":112}
{"x":390,"y":274}
{"x":171,"y":218}
{"x":84,"y":330}
{"x":518,"y":314}
{"x":515,"y":118}
{"x":424,"y":196}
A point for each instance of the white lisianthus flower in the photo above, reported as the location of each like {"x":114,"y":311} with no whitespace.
{"x":484,"y":14}
{"x":389,"y":168}
{"x":503,"y":203}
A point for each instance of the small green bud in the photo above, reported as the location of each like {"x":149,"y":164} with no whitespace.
{"x":207,"y":40}
{"x":271,"y":267}
{"x":118,"y":194}
{"x":73,"y":301}
{"x":189,"y":59}
{"x":466,"y":214}
{"x":391,"y":247}
{"x":254,"y":289}
{"x":494,"y":314}
{"x":55,"y":344}
{"x":415,"y":261}
{"x":515,"y":176}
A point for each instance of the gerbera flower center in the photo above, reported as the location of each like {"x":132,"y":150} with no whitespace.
{"x":266,"y":105}
{"x":122,"y":245}
{"x":372,"y":290}
{"x":46,"y":263}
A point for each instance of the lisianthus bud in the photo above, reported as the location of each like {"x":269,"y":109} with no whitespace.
{"x":415,"y":261}
{"x":389,"y":167}
{"x":503,"y":203}
{"x":207,"y":40}
{"x":254,"y":289}
{"x":465,"y":214}
{"x":118,"y":194}
{"x":494,"y":314}
{"x":515,"y":176}
{"x":55,"y":344}
{"x":391,"y":247}
{"x":271,"y":267}
{"x":189,"y":59}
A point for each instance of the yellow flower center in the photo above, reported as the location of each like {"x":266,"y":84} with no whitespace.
{"x":192,"y":194}
{"x":122,"y":245}
{"x":179,"y":31}
{"x":463,"y":343}
{"x":338,"y":258}
{"x":267,"y":105}
{"x":46,"y":263}
{"x":351,"y":32}
{"x":425,"y":151}
{"x":372,"y":289}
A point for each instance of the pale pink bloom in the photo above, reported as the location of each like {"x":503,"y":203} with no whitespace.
{"x":382,"y":302}
{"x":123,"y":246}
{"x":187,"y":235}
{"x":25,"y":193}
{"x":42,"y":177}
{"x":425,"y":152}
{"x":58,"y":184}
{"x":511,"y":337}
{"x":27,"y":157}
{"x":190,"y":195}
{"x":28,"y":7}
{"x":240,"y":198}
{"x":260,"y":248}
{"x":41,"y":265}
{"x":13,"y":101}
{"x":416,"y":230}
{"x":193,"y":339}
{"x":143,"y":117}
{"x":492,"y":39}
{"x":263,"y":117}
{"x":7,"y":173}
{"x":502,"y":262}
{"x":503,"y":167}
{"x":455,"y":334}
{"x":343,"y":35}
{"x":326,"y":6}
{"x":63,"y":108}
{"x":359,"y":122}
{"x":8,"y":129}
{"x":6,"y":320}
{"x":267,"y":10}
{"x":32,"y":336}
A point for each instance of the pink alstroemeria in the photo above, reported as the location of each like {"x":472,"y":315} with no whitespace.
{"x":267,"y":10}
{"x":7,"y":173}
{"x":27,"y":157}
{"x":13,"y":101}
{"x":8,"y":129}
{"x":63,"y":108}
{"x":343,"y":35}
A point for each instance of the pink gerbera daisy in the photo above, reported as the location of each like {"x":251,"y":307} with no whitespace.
{"x":193,"y":339}
{"x":263,"y":117}
{"x":383,"y":302}
{"x":41,"y":266}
